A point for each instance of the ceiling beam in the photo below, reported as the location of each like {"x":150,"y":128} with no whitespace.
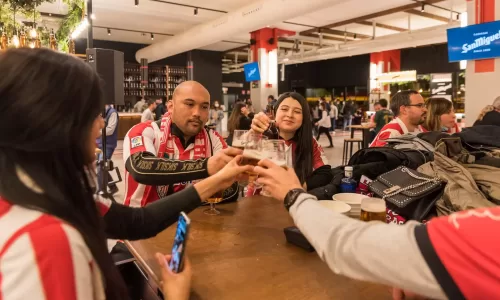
{"x":331,"y":38}
{"x":428,"y":15}
{"x":341,"y":33}
{"x":384,"y":26}
{"x":375,"y":15}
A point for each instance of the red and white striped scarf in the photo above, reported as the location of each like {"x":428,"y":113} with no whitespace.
{"x":172,"y":147}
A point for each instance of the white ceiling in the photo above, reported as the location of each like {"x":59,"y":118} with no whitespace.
{"x":152,"y":16}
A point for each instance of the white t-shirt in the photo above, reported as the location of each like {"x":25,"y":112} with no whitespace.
{"x":147,"y":115}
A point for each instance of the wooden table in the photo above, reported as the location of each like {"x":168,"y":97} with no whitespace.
{"x":366,"y":133}
{"x":242,"y":254}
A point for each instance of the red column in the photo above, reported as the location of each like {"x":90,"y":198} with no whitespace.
{"x":390,"y":58}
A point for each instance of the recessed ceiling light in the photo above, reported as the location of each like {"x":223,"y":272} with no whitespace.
{"x":109,"y":31}
{"x":152,"y":37}
{"x":196,"y":11}
{"x":136,"y":2}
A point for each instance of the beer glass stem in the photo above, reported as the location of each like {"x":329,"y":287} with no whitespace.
{"x":212,"y":207}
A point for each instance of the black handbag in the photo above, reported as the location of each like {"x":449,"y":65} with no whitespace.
{"x":410,"y":194}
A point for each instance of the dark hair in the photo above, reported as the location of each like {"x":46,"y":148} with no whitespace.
{"x":270,"y":97}
{"x":303,"y":160}
{"x":436,"y":107}
{"x":383,"y":103}
{"x":401,"y":99}
{"x":323,"y":105}
{"x":151,"y":102}
{"x":234,"y":120}
{"x":57,"y":98}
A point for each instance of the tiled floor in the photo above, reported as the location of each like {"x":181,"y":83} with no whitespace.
{"x":334,"y":155}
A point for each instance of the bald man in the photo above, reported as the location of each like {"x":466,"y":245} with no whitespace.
{"x":165,"y":156}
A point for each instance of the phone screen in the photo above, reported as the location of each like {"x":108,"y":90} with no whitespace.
{"x":176,"y":263}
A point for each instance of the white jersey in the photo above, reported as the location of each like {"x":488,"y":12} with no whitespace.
{"x":41,"y":257}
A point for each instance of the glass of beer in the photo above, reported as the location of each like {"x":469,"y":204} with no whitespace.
{"x":275,"y":151}
{"x":252,"y":154}
{"x":373,"y":209}
{"x":239,"y":139}
{"x":212,"y":200}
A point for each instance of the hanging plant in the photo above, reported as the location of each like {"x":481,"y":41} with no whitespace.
{"x":69,"y":23}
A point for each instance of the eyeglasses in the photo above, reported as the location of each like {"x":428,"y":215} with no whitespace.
{"x":420,"y":105}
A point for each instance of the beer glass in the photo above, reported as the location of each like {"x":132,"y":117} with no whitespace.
{"x":252,"y":154}
{"x":373,"y":209}
{"x":212,"y":200}
{"x":275,"y":151}
{"x":239,"y":139}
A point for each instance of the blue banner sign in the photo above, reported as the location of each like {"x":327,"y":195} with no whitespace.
{"x":474,"y":42}
{"x":252,"y":71}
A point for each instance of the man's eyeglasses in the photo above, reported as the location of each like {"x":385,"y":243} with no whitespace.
{"x":420,"y":105}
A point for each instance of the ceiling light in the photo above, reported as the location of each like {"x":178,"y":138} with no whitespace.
{"x":109,"y":31}
{"x":389,"y":92}
{"x":423,"y":7}
{"x":152,"y":37}
{"x":420,"y":91}
{"x":196,"y":11}
{"x":136,"y":2}
{"x":92,"y":16}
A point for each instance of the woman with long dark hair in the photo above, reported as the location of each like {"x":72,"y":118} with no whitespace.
{"x":238,"y":120}
{"x":292,"y":120}
{"x":53,"y":242}
{"x":440,"y":116}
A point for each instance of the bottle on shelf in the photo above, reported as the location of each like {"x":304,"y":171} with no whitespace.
{"x":348,"y":184}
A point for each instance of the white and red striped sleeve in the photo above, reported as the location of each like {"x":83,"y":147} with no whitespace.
{"x":218,"y":142}
{"x":43,"y":258}
{"x":140,"y":138}
{"x":103,"y":204}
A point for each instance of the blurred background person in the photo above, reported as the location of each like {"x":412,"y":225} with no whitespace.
{"x":148,"y":113}
{"x":111,"y":122}
{"x":490,"y":115}
{"x":324,"y":124}
{"x":440,"y":116}
{"x":238,"y":120}
{"x":160,"y":109}
{"x":334,"y":114}
{"x":140,"y":106}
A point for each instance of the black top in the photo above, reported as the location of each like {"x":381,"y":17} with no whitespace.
{"x":490,"y":118}
{"x":245,"y":123}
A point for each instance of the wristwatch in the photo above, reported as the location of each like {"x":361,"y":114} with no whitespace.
{"x":291,"y":197}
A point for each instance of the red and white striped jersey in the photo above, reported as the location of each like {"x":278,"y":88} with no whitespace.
{"x":147,"y":137}
{"x":43,"y":258}
{"x":392,"y":129}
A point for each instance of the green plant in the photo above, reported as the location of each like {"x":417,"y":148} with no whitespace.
{"x":69,"y":23}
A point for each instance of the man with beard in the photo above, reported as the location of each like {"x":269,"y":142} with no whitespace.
{"x":165,"y":156}
{"x":409,"y":111}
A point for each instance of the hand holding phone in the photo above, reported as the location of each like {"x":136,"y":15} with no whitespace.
{"x":175,"y":285}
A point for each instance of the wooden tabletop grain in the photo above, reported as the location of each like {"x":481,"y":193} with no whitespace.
{"x":243,"y":254}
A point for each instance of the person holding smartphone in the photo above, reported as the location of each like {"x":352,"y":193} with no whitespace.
{"x":444,"y":259}
{"x":51,"y":227}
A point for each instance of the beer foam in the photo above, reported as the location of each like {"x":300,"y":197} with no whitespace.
{"x":255,"y":154}
{"x":373,"y":205}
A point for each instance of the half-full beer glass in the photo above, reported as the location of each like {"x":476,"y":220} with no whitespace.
{"x":373,"y":209}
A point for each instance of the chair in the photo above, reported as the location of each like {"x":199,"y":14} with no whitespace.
{"x":349,"y":147}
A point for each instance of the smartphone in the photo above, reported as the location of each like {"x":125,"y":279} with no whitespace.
{"x":181,"y":234}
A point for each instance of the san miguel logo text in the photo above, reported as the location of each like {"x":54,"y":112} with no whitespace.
{"x":484,"y":40}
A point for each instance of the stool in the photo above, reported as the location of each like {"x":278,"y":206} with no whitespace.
{"x":347,"y":151}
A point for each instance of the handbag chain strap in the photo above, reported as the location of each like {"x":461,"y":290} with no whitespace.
{"x":397,"y":189}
